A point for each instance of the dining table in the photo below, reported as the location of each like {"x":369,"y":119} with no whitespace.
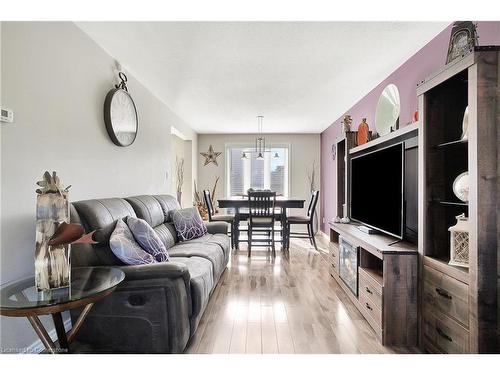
{"x":240,"y":204}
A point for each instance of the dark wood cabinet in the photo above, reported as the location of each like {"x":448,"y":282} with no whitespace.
{"x":458,"y":305}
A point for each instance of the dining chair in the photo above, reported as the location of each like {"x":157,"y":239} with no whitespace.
{"x":212,"y":216}
{"x":261,"y":218}
{"x":305,"y":220}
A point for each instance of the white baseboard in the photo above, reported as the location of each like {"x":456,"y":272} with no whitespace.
{"x":38,"y":347}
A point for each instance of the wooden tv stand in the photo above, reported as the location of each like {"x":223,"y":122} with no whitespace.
{"x":387,"y":282}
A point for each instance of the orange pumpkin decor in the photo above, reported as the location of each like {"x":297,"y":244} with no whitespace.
{"x":363,"y":133}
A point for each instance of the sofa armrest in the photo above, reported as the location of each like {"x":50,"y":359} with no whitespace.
{"x":153,"y":303}
{"x":157,"y":274}
{"x":155,"y":271}
{"x":217,"y":227}
{"x":165,"y":274}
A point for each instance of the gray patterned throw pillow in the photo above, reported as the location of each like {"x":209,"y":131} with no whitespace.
{"x":188,"y":224}
{"x":124,"y":246}
{"x":148,"y":238}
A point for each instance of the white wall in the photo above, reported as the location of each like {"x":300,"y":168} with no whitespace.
{"x":55,"y":79}
{"x":304,"y":150}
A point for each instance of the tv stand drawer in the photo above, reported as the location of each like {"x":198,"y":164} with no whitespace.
{"x":333,"y":259}
{"x":370,"y":308}
{"x":370,"y":289}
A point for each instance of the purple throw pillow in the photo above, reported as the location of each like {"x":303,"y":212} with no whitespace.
{"x":149,"y":240}
{"x":124,"y":246}
{"x":188,"y":223}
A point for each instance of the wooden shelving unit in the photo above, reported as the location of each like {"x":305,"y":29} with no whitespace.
{"x":458,"y":306}
{"x":387,"y":274}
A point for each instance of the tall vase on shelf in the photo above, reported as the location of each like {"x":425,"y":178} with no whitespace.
{"x":52,"y":262}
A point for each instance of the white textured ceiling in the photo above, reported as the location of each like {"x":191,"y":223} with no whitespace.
{"x":301,"y":76}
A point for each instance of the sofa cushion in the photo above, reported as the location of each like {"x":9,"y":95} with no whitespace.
{"x":100,"y":215}
{"x":147,"y":238}
{"x":222,"y":240}
{"x":188,"y":224}
{"x":201,"y":283}
{"x":125,"y":247}
{"x":211,"y":252}
{"x":168,"y":203}
{"x":166,"y":232}
{"x":148,"y":208}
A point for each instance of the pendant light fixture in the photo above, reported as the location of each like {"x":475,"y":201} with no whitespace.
{"x":260,"y":143}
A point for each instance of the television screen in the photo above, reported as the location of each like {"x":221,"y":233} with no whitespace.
{"x":377,"y":189}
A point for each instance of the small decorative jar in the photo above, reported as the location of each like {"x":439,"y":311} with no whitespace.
{"x":459,"y":242}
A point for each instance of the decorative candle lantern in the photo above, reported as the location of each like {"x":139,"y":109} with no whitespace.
{"x":459,"y":242}
{"x":52,"y":262}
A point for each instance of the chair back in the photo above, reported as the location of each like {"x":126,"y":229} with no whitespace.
{"x":312,"y":204}
{"x":261,"y":204}
{"x":208,"y":203}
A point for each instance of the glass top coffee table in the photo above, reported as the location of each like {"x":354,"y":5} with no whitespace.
{"x":88,"y":285}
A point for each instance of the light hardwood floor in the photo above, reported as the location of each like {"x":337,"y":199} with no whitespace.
{"x":289,"y":304}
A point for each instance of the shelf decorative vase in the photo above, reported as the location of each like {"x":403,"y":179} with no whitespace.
{"x":52,"y":262}
{"x":459,"y":242}
{"x":363,"y":133}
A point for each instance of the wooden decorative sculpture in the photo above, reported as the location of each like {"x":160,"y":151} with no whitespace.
{"x":52,"y":263}
{"x":210,"y":156}
{"x":54,"y":234}
{"x":199,"y":203}
{"x":346,"y":123}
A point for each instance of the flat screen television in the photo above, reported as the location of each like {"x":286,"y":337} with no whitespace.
{"x":377,"y":191}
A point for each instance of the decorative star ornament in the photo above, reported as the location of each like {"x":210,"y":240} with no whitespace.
{"x":210,"y":156}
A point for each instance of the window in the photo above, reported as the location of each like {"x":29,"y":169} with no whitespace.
{"x":270,"y":173}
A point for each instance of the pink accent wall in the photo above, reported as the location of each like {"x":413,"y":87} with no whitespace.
{"x":426,"y":61}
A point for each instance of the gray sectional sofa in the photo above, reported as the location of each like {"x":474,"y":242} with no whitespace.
{"x":158,"y":306}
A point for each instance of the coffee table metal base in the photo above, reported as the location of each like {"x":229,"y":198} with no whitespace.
{"x":64,"y":339}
